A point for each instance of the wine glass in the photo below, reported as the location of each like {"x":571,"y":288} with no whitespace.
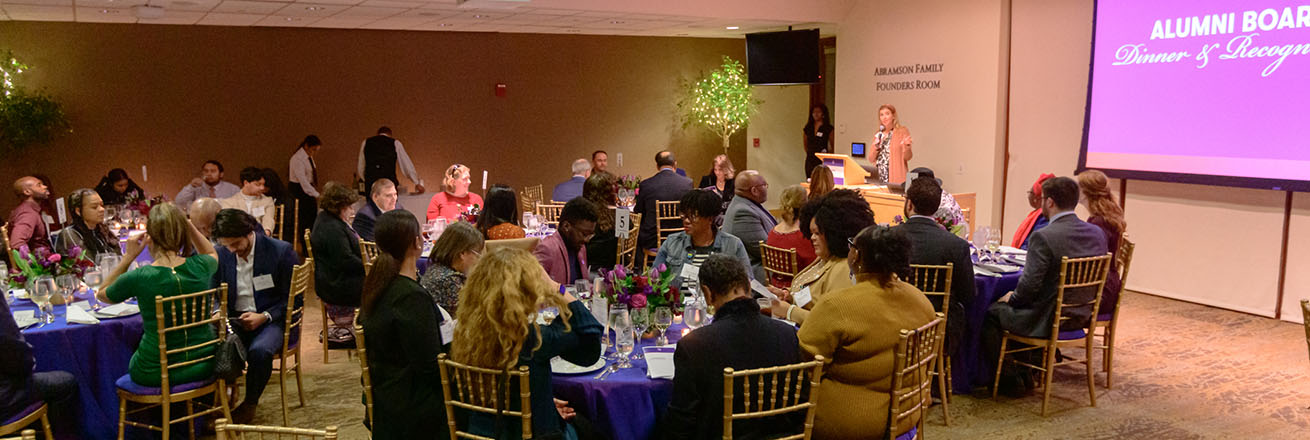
{"x":617,"y":319}
{"x":980,"y":238}
{"x":67,"y":285}
{"x":625,"y":346}
{"x":582,"y":288}
{"x":108,"y":261}
{"x":663,"y":319}
{"x":93,"y":278}
{"x":43,"y":288}
{"x":640,"y":322}
{"x":994,"y":243}
{"x":4,"y":282}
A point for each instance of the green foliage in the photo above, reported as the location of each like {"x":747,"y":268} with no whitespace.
{"x":720,"y":101}
{"x":26,"y":118}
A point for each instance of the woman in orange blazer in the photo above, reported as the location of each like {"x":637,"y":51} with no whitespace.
{"x":893,"y":142}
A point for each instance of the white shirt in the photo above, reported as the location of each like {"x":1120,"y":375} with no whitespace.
{"x":250,"y":203}
{"x":402,"y":158}
{"x":222,"y":190}
{"x":302,"y":172}
{"x":245,"y":301}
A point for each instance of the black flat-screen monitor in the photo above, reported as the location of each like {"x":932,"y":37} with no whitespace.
{"x":787,"y":57}
{"x":857,"y":149}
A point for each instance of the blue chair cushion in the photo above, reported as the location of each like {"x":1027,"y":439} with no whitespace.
{"x":125,"y":383}
{"x":909,"y":435}
{"x":1072,"y":334}
{"x":24,"y":413}
{"x":1105,"y":317}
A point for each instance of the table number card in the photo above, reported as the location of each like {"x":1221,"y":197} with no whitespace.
{"x":622,"y":222}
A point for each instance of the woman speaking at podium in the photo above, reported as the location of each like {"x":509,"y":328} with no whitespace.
{"x":893,"y":142}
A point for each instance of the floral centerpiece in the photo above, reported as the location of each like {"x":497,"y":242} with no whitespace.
{"x":30,"y":265}
{"x":649,"y":291}
{"x":629,"y":182}
{"x":471,"y":213}
{"x":138,"y":202}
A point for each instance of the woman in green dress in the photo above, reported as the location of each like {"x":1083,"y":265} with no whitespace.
{"x":167,"y":232}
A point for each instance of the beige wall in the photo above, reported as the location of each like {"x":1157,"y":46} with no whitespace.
{"x":170,"y":97}
{"x":956,"y":128}
{"x":781,"y":155}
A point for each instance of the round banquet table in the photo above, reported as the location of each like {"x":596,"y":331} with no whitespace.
{"x":96,"y":355}
{"x":968,"y":369}
{"x":627,"y":404}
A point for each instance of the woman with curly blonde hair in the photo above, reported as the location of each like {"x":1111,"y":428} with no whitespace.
{"x":496,"y":328}
{"x":1107,"y":214}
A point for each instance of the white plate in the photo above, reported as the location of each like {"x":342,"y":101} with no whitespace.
{"x":560,"y":366}
{"x":20,"y":293}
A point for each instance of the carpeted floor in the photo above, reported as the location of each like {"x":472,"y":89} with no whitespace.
{"x":1182,"y":371}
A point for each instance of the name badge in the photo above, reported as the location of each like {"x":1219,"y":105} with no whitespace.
{"x":690,"y":272}
{"x":802,"y":297}
{"x":819,"y":134}
{"x":263,"y":282}
{"x":257,"y":211}
{"x":447,"y":326}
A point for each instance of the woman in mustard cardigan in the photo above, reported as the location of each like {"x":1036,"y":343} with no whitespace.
{"x":893,"y":143}
{"x":857,"y":328}
{"x":829,"y":222}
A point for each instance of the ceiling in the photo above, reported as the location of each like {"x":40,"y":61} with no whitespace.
{"x":702,"y":18}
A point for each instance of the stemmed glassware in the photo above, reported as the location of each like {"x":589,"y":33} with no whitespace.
{"x":980,"y":238}
{"x":4,"y":282}
{"x":994,"y":244}
{"x":107,"y":262}
{"x":640,"y":322}
{"x":697,"y":313}
{"x":93,"y":278}
{"x":44,"y":287}
{"x":663,"y":319}
{"x":67,"y":285}
{"x":621,"y":322}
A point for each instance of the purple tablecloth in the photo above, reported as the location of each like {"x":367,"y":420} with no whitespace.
{"x":968,"y":370}
{"x":627,"y":404}
{"x":96,"y":355}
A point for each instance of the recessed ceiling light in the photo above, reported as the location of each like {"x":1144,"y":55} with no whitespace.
{"x":682,"y":35}
{"x":573,"y":31}
{"x":291,"y":19}
{"x":106,"y":11}
{"x":617,"y":22}
{"x":479,"y":16}
{"x":314,"y":8}
{"x":733,"y":28}
{"x":445,"y":24}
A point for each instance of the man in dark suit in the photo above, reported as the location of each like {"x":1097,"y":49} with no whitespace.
{"x":257,"y":270}
{"x":665,"y":186}
{"x":1029,"y":310}
{"x":740,"y":338}
{"x":934,"y":245}
{"x":747,"y":219}
{"x":381,"y":199}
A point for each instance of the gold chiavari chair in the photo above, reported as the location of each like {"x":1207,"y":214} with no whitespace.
{"x":368,"y":251}
{"x":1075,"y":273}
{"x":550,"y":212}
{"x":911,"y":390}
{"x":289,"y":357}
{"x":1305,"y":319}
{"x":483,"y":390}
{"x":27,"y":434}
{"x":935,"y":282}
{"x":367,"y":379}
{"x":187,"y":312}
{"x":279,"y":230}
{"x":667,"y":222}
{"x":227,"y":430}
{"x":627,"y":248}
{"x":1108,"y":322}
{"x":32,"y":414}
{"x":4,"y":242}
{"x":777,"y":390}
{"x":295,"y":225}
{"x":780,"y":262}
{"x":532,"y":195}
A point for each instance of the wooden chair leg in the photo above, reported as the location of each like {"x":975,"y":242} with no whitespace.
{"x":1048,"y":356}
{"x":122,"y":416}
{"x":45,"y":424}
{"x":941,"y":388}
{"x":950,"y":388}
{"x":1091,"y":371}
{"x":282,"y":383}
{"x":190,"y":423}
{"x":1000,"y":360}
{"x":226,"y":405}
{"x":300,"y":390}
{"x":326,"y":331}
{"x":1109,"y":357}
{"x":167,"y":421}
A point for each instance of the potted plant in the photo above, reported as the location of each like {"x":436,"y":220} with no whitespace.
{"x":720,"y":101}
{"x":26,"y":117}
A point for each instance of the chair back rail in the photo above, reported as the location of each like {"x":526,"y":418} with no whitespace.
{"x":551,"y":212}
{"x":227,"y":430}
{"x":532,"y":195}
{"x":779,"y":261}
{"x":764,"y":395}
{"x":666,"y":213}
{"x":27,"y":434}
{"x":1079,"y":273}
{"x":361,"y":348}
{"x":483,"y":390}
{"x":911,"y":390}
{"x":627,"y":249}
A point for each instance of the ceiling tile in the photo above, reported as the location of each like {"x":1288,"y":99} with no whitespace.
{"x":106,"y":4}
{"x":365,"y":11}
{"x":310,"y":10}
{"x":39,"y":13}
{"x":40,"y":2}
{"x":334,"y":2}
{"x":93,"y":15}
{"x":283,"y":21}
{"x":548,"y":11}
{"x":229,"y":19}
{"x":343,"y":22}
{"x":248,"y":7}
{"x":430,"y":14}
{"x":391,"y":4}
{"x":192,"y":5}
{"x":175,"y":17}
{"x":397,"y":23}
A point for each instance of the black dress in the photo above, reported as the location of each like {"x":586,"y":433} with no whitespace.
{"x":816,"y":142}
{"x":404,"y":338}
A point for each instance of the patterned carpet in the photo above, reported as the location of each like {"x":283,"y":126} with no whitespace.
{"x":1182,"y":371}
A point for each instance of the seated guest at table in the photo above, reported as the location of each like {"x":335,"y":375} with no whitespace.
{"x":700,"y":238}
{"x":210,"y":184}
{"x":747,"y":219}
{"x":572,"y":188}
{"x":830,"y":222}
{"x":381,"y":199}
{"x":338,"y":266}
{"x":666,"y":185}
{"x":404,"y":334}
{"x":49,"y":209}
{"x":257,"y":269}
{"x":821,"y":182}
{"x":787,"y":234}
{"x":167,"y":233}
{"x":720,"y":180}
{"x":86,"y":228}
{"x":252,"y":200}
{"x":602,"y":250}
{"x":600,"y":161}
{"x":451,"y":260}
{"x":858,"y":328}
{"x":26,"y":227}
{"x":456,"y":199}
{"x":1106,"y":214}
{"x":933,"y":245}
{"x":202,"y":214}
{"x":1029,"y":308}
{"x":739,"y":338}
{"x":948,"y":210}
{"x":497,"y":329}
{"x":1036,"y":220}
{"x":20,"y":386}
{"x":564,"y":253}
{"x":499,"y":220}
{"x":116,"y":188}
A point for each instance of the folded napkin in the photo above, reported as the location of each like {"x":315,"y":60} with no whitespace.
{"x":25,"y":318}
{"x":984,"y":272}
{"x":659,"y":361}
{"x":120,"y":309}
{"x":78,"y":316}
{"x":1013,"y":250}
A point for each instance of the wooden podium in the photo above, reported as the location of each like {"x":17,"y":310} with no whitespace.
{"x":845,"y":171}
{"x":886,"y":205}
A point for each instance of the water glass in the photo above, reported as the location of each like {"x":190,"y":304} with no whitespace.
{"x":625,"y":346}
{"x":67,"y":285}
{"x":618,"y":320}
{"x":43,"y":288}
{"x":93,"y":278}
{"x":663,"y":319}
{"x":696,"y":315}
{"x":4,"y":282}
{"x":640,"y":322}
{"x":582,"y":289}
{"x":108,"y":261}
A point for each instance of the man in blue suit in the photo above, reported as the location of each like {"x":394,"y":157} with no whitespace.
{"x":257,"y":270}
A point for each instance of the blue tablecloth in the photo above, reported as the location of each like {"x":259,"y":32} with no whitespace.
{"x":968,"y":369}
{"x":627,"y":404}
{"x":96,"y":355}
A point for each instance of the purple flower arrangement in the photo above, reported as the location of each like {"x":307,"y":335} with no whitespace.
{"x":654,"y":289}
{"x":29,"y":265}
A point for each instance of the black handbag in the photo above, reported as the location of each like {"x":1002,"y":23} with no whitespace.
{"x":230,"y":359}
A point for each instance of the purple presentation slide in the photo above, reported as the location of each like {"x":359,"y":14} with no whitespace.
{"x":1212,"y":87}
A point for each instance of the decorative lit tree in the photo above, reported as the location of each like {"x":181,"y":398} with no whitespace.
{"x":721,"y":101}
{"x":26,"y":118}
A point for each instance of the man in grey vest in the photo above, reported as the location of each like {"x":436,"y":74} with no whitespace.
{"x":378,"y":157}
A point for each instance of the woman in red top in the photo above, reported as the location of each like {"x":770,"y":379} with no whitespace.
{"x":787,"y":235}
{"x":456,"y":199}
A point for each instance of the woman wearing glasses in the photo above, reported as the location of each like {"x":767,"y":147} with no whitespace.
{"x":683,"y":252}
{"x":456,"y":198}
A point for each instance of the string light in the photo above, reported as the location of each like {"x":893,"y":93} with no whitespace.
{"x":722,"y":101}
